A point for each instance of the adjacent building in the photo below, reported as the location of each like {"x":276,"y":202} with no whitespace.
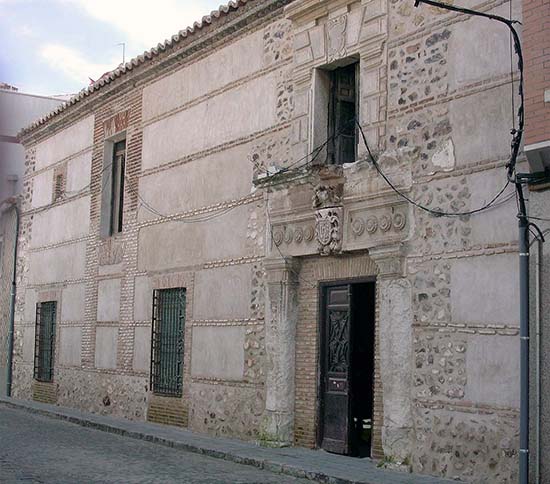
{"x":205,"y":242}
{"x":536,"y":43}
{"x":17,"y":110}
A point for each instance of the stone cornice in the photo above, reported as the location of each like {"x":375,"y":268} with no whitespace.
{"x":156,"y":62}
{"x":303,"y":11}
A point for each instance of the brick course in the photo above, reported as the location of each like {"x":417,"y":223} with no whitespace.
{"x":536,"y":49}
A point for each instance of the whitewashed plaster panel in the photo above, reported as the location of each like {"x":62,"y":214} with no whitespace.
{"x":236,"y":61}
{"x":229,"y":116}
{"x":71,"y":140}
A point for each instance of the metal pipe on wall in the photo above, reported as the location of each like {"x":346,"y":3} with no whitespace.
{"x":12,"y":303}
{"x":523,"y":225}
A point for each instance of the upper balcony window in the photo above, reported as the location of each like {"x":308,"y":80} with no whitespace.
{"x":342,"y":131}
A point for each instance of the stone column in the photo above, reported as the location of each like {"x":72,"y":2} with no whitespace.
{"x":280,"y":334}
{"x":395,"y":343}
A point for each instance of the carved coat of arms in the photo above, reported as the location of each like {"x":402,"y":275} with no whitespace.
{"x":336,"y":33}
{"x":328,"y":230}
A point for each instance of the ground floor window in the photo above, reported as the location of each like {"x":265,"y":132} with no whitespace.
{"x":167,"y":341}
{"x":44,"y":342}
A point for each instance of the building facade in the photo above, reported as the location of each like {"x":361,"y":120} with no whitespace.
{"x":537,"y":148}
{"x":206,"y":243}
{"x":17,"y":110}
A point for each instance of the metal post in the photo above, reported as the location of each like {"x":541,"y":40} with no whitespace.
{"x":12,"y":304}
{"x":523,"y":224}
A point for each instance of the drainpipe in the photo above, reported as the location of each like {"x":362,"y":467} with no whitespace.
{"x":523,"y":225}
{"x":538,"y":292}
{"x":12,"y":301}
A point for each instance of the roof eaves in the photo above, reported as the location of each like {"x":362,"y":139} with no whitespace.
{"x":136,"y":61}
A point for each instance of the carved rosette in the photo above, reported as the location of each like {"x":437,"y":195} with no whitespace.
{"x":328,"y":230}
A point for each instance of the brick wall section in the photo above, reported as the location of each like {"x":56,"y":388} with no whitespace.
{"x":536,"y":48}
{"x":44,"y":392}
{"x":313,"y":271}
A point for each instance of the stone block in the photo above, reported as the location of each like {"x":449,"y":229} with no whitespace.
{"x":484,"y":289}
{"x":178,"y":244}
{"x":42,"y":189}
{"x":106,"y":344}
{"x":143,"y":299}
{"x":108,"y":300}
{"x":70,"y":339}
{"x":72,"y":303}
{"x":142,"y":348}
{"x":65,"y":222}
{"x":71,"y":140}
{"x":492,"y":366}
{"x":60,"y":264}
{"x":222,"y":293}
{"x":218,"y":352}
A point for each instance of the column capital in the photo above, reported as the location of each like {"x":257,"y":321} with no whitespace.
{"x":282,"y":269}
{"x":390,"y":260}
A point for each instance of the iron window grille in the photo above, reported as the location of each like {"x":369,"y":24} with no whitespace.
{"x":167,"y":339}
{"x":44,"y":341}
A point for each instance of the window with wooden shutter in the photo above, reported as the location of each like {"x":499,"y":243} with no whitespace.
{"x":44,"y":341}
{"x":117,"y":192}
{"x":167,"y":341}
{"x":343,"y":111}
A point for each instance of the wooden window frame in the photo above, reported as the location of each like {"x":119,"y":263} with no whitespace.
{"x":338,"y":129}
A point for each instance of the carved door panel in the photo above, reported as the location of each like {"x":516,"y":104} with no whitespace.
{"x":336,"y":391}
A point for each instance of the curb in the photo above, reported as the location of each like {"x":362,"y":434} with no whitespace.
{"x":271,"y":465}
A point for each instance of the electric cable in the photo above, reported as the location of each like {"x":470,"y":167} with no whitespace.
{"x":437,"y":213}
{"x":517,"y":134}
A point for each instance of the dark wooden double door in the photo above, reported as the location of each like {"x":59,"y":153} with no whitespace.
{"x":347,"y":312}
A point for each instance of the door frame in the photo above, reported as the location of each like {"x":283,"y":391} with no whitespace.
{"x":321,"y":335}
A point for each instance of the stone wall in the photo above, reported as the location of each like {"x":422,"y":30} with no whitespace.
{"x":184,"y":226}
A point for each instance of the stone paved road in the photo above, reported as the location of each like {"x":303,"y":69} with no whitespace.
{"x":37,"y":449}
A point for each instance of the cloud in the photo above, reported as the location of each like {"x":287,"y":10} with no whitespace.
{"x":73,"y":65}
{"x":145,"y":24}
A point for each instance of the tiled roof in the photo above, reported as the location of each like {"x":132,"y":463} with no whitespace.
{"x":108,"y":77}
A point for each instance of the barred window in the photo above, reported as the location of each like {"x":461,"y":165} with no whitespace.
{"x":167,"y":341}
{"x":44,"y":341}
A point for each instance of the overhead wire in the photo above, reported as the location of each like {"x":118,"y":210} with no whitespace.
{"x":437,"y":213}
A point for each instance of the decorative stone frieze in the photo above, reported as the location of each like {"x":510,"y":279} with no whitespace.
{"x":372,"y":226}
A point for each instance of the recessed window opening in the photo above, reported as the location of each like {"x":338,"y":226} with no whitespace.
{"x":44,"y":342}
{"x":167,"y":341}
{"x":117,"y":198}
{"x":342,"y":114}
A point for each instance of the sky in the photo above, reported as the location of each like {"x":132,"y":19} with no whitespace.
{"x":53,"y":47}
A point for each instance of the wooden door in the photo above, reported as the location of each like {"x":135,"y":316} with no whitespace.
{"x":336,"y":389}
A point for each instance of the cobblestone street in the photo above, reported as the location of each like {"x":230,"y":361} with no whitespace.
{"x":37,"y":449}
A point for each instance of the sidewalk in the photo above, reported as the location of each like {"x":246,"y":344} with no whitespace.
{"x":314,"y":465}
